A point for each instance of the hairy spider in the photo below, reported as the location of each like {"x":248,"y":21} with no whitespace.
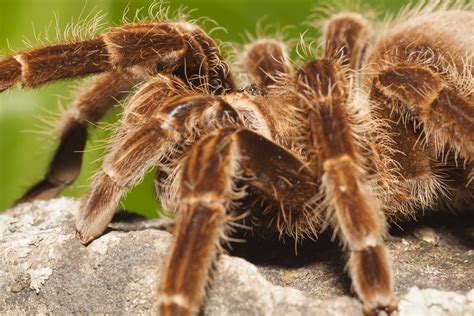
{"x":380,"y":129}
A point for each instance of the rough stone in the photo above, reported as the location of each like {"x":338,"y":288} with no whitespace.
{"x":43,"y":269}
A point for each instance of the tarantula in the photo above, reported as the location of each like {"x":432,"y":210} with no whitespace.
{"x":381,"y":128}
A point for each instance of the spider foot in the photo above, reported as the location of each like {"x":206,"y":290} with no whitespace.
{"x":175,"y":310}
{"x":381,"y":310}
{"x":84,"y":239}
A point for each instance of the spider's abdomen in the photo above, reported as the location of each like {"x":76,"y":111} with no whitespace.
{"x":439,"y":39}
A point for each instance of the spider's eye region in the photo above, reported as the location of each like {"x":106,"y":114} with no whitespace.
{"x":253,"y":90}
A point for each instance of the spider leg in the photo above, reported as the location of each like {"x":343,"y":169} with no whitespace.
{"x":146,"y":47}
{"x":161,"y":130}
{"x":206,"y":189}
{"x":40,"y":65}
{"x":285,"y":182}
{"x":266,"y":60}
{"x":427,"y":80}
{"x":181,"y":48}
{"x":420,"y":105}
{"x":351,"y":202}
{"x":446,"y":113}
{"x":346,"y":37}
{"x":208,"y":185}
{"x":10,"y":72}
{"x":155,"y":127}
{"x":89,"y":107}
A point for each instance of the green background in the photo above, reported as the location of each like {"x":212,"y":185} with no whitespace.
{"x":27,"y":140}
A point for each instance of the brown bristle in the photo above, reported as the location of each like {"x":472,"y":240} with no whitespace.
{"x":220,"y":79}
{"x":206,"y":185}
{"x":353,"y":211}
{"x":346,"y":37}
{"x":10,"y":73}
{"x":411,"y":84}
{"x":150,"y":39}
{"x":325,"y":78}
{"x":207,"y":167}
{"x":266,"y":60}
{"x":172,"y":309}
{"x":457,"y":114}
{"x":98,"y":96}
{"x":195,"y":248}
{"x":371,"y":275}
{"x":63,"y":61}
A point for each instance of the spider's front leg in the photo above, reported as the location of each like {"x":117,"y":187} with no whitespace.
{"x":160,"y":118}
{"x":92,"y":103}
{"x":208,"y":186}
{"x":206,"y":190}
{"x":153,"y":129}
{"x":338,"y":131}
{"x":145,"y":47}
{"x":127,"y":55}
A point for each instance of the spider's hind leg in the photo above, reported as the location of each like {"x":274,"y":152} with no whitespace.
{"x":89,"y":107}
{"x":422,"y":71}
{"x":446,"y":113}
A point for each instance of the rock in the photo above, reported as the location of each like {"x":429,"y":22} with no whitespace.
{"x":434,"y":302}
{"x":427,"y":234}
{"x":21,"y":282}
{"x":43,"y":269}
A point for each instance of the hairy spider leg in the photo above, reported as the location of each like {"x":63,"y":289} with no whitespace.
{"x":154,"y":127}
{"x":352,"y":207}
{"x":447,"y":115}
{"x":266,"y":61}
{"x":425,"y":88}
{"x":346,"y":37}
{"x":208,"y":186}
{"x":92,"y":103}
{"x":146,"y":47}
{"x":128,"y":54}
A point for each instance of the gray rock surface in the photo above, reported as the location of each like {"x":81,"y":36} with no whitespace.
{"x":43,"y":269}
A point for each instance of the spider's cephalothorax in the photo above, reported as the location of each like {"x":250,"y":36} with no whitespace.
{"x":379,"y":129}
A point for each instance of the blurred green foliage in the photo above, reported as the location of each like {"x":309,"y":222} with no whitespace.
{"x":27,"y":139}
